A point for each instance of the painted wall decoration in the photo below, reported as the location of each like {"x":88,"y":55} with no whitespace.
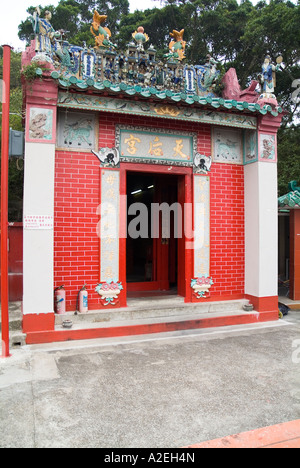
{"x":201,"y":286}
{"x":109,"y":292}
{"x":227,"y":146}
{"x":144,"y":145}
{"x":206,"y":76}
{"x":201,"y":225}
{"x":77,"y":130}
{"x":123,"y":106}
{"x":267,"y":148}
{"x":250,"y":146}
{"x":190,"y":79}
{"x":202,"y":163}
{"x":40,"y":125}
{"x":109,"y":225}
{"x":109,"y":157}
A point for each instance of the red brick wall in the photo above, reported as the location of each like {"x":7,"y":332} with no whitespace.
{"x":77,"y":196}
{"x":227,"y":230}
{"x":76,"y":245}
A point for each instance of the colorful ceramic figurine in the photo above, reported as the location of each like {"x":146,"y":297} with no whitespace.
{"x":268,"y":77}
{"x":140,"y":37}
{"x":135,"y":67}
{"x":177,"y":46}
{"x":44,"y":31}
{"x":102,"y":35}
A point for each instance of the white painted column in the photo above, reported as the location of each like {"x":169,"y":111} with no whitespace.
{"x":38,"y":217}
{"x":261,"y":229}
{"x":38,"y":206}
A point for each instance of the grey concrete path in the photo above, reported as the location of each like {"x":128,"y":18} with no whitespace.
{"x":168,"y":390}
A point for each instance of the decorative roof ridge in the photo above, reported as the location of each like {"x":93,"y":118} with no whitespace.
{"x":71,"y":81}
{"x":139,"y":71}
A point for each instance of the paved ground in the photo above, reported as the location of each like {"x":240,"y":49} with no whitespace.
{"x":171,"y":390}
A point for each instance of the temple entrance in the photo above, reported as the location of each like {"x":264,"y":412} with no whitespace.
{"x":155,"y":239}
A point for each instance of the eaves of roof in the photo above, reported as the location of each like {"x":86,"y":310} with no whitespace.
{"x":290,"y":200}
{"x":72,"y":82}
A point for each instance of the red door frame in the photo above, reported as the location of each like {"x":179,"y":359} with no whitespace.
{"x":185,"y":262}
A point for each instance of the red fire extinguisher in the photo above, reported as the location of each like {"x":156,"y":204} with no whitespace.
{"x":60,"y":300}
{"x":82,"y":301}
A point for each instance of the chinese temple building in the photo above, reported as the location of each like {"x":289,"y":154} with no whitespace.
{"x":289,"y":240}
{"x":142,"y":180}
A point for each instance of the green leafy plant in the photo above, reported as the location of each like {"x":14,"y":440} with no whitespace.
{"x":33,"y":71}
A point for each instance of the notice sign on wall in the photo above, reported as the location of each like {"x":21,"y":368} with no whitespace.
{"x":38,"y":222}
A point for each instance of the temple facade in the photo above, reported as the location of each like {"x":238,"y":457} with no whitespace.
{"x":143,"y":179}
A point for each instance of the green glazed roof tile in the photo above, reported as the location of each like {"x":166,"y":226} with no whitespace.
{"x":251,"y":107}
{"x":55,"y":75}
{"x":146,"y":93}
{"x":99,"y":86}
{"x":82,"y":85}
{"x":90,"y":82}
{"x":291,"y":199}
{"x":189,"y":100}
{"x":115,"y":88}
{"x":215,"y":103}
{"x":63,"y":83}
{"x":73,"y":80}
{"x":131,"y":90}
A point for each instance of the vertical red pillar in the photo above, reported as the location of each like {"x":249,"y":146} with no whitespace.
{"x":4,"y":201}
{"x":295,"y":254}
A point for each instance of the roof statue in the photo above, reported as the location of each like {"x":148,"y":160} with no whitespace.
{"x":137,"y":69}
{"x":177,"y":46}
{"x":233,"y":90}
{"x":268,"y":77}
{"x":268,"y":81}
{"x":293,"y":186}
{"x":45,"y":34}
{"x":140,"y":37}
{"x":102,"y":34}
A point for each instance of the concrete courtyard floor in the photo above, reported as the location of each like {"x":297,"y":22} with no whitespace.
{"x":169,"y":390}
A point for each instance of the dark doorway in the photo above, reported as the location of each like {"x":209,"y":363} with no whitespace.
{"x":153,"y":230}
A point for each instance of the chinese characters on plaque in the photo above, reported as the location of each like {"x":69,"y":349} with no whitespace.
{"x":156,"y":146}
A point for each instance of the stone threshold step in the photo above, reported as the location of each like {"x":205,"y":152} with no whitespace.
{"x":89,"y":330}
{"x":140,"y":321}
{"x":152,"y":310}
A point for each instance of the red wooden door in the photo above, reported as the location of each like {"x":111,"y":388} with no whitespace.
{"x":181,"y":266}
{"x":165,"y":259}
